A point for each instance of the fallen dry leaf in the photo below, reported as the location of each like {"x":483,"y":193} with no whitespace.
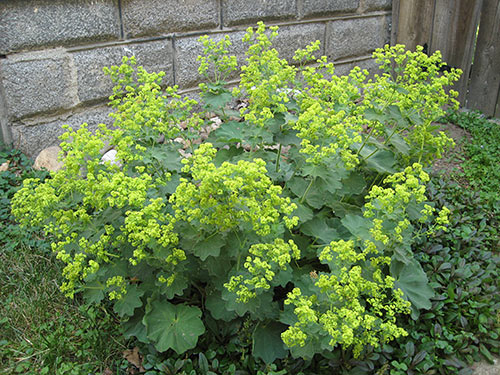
{"x":133,"y":357}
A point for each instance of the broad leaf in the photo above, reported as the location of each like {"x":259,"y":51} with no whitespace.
{"x":230,"y":131}
{"x":126,"y":305}
{"x":412,"y":280}
{"x":134,"y":327}
{"x":318,"y":228}
{"x":382,"y":161}
{"x":175,"y":289}
{"x":267,"y":343}
{"x":359,"y":226}
{"x":216,"y":100}
{"x":209,"y":247}
{"x":174,"y":327}
{"x":93,"y":292}
{"x":354,"y":183}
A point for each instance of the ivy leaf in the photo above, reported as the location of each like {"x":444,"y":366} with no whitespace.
{"x":412,"y":280}
{"x":267,"y":343}
{"x":209,"y":247}
{"x":174,"y":327}
{"x":126,"y":305}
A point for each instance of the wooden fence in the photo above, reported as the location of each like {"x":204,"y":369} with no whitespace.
{"x":467,"y":32}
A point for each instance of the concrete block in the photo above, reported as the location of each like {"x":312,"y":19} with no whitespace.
{"x":31,"y":139}
{"x":377,"y":5}
{"x":38,"y":82}
{"x":290,"y":38}
{"x":188,"y":49}
{"x":356,"y":37}
{"x":31,"y":24}
{"x":319,"y":8}
{"x":368,"y":64}
{"x":236,"y":12}
{"x":94,"y":85}
{"x":157,"y":17}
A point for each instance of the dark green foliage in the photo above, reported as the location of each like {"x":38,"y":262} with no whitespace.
{"x":19,"y":168}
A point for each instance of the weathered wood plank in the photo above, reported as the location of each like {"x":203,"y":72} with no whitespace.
{"x":454,"y":33}
{"x":414,"y":24}
{"x":484,"y":85}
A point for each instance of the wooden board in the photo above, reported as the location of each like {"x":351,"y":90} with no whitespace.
{"x":414,"y":22}
{"x":484,"y":87}
{"x":454,"y":34}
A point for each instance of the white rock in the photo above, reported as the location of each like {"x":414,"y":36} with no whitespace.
{"x":110,"y":157}
{"x":47,"y":159}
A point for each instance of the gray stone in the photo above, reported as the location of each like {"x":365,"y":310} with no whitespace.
{"x":157,"y":17}
{"x":31,"y":139}
{"x":293,"y":37}
{"x":484,"y":368}
{"x":289,"y":39}
{"x":188,"y":49}
{"x":377,"y":4}
{"x":28,"y":24}
{"x":368,"y":64}
{"x":356,"y":37}
{"x":315,"y":8}
{"x":94,"y":85}
{"x":236,"y":12}
{"x":38,"y":82}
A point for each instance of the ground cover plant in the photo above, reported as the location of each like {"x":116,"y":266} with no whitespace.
{"x":41,"y":331}
{"x":290,"y":233}
{"x":482,"y":153}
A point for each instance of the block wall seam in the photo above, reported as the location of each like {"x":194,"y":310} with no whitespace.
{"x":5,"y":130}
{"x":221,"y":14}
{"x":120,"y":18}
{"x":174,"y":60}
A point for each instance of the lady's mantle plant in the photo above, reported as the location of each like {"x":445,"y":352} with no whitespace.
{"x":297,"y":214}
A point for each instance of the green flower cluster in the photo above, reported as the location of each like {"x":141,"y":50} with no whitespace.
{"x":265,"y":262}
{"x":230,"y":195}
{"x":354,"y":306}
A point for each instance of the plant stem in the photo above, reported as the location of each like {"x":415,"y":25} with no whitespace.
{"x":307,"y":190}
{"x":278,"y":159}
{"x":365,"y":140}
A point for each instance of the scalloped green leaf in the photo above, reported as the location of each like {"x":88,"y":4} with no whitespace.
{"x":267,"y":343}
{"x":412,"y":280}
{"x":126,"y":305}
{"x":209,"y":246}
{"x":174,"y":327}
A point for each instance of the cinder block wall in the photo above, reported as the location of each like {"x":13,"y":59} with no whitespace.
{"x":52,"y":51}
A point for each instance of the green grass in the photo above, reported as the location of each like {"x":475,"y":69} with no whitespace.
{"x":41,"y":331}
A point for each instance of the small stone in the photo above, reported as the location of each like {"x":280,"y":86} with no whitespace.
{"x":110,"y":157}
{"x":5,"y":166}
{"x":47,"y":159}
